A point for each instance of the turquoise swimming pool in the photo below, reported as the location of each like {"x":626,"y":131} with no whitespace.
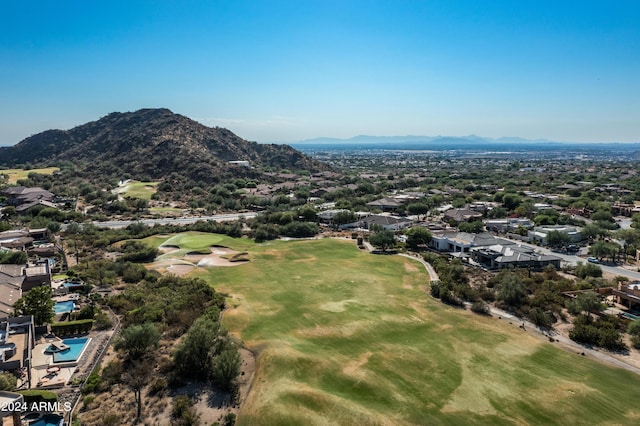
{"x":62,"y":307}
{"x":48,"y":420}
{"x":76,"y":348}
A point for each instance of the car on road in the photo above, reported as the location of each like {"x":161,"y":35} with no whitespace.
{"x":592,"y":260}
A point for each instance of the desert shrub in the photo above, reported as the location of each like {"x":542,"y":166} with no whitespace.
{"x":479,"y":307}
{"x":158,"y":386}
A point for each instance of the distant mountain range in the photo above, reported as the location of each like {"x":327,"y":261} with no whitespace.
{"x":416,"y":139}
{"x":151,"y":144}
{"x":474,"y":145}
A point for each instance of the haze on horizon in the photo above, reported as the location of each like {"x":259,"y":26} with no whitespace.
{"x":287,"y":70}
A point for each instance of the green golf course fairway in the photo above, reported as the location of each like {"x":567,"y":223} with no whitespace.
{"x":136,"y":189}
{"x":346,"y":337}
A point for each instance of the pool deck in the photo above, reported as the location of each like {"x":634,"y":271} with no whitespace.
{"x":66,"y":298}
{"x":41,"y":374}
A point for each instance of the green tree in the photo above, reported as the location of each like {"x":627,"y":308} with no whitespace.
{"x":207,"y":353}
{"x":226,"y":367}
{"x":584,"y":302}
{"x":193,"y":356}
{"x":418,"y":236}
{"x":584,"y":270}
{"x":36,"y":302}
{"x":13,"y":257}
{"x":383,"y":239}
{"x":308,"y":213}
{"x":475,"y":227}
{"x":8,"y":382}
{"x":634,"y":332}
{"x":630,"y":239}
{"x":497,"y":213}
{"x":558,"y":239}
{"x":418,"y":209}
{"x":511,"y":290}
{"x":604,"y":249}
{"x":9,"y":211}
{"x":510,"y":201}
{"x":593,"y":231}
{"x":343,"y":217}
{"x":136,"y":339}
{"x":602,"y":216}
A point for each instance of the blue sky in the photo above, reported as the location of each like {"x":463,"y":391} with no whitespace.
{"x":290,"y":70}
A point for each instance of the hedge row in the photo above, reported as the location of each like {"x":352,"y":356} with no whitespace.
{"x":37,"y":396}
{"x":72,"y":327}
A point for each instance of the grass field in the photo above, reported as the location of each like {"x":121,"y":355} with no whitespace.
{"x":14,"y":175}
{"x":166,"y":210}
{"x":346,"y":337}
{"x":135,"y":189}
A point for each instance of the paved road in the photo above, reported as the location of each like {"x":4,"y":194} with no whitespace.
{"x":115,"y":224}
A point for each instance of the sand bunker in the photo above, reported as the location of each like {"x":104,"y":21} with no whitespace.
{"x":168,"y":248}
{"x":219,"y":256}
{"x":180,"y":269}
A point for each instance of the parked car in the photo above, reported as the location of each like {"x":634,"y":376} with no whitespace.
{"x":592,"y":260}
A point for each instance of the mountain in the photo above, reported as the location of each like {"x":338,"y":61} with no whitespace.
{"x":152,"y":143}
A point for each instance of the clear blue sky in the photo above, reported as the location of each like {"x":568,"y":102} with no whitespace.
{"x":290,"y":70}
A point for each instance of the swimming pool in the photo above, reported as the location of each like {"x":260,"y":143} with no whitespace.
{"x":62,"y":307}
{"x":76,"y":348}
{"x":70,"y":284}
{"x":48,"y":420}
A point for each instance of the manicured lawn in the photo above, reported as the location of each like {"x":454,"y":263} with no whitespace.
{"x":346,"y":337}
{"x":135,"y":189}
{"x":14,"y":175}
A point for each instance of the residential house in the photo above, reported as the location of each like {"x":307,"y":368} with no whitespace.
{"x":391,"y":223}
{"x":462,"y":215}
{"x":328,"y":215}
{"x":385,"y":204}
{"x":24,"y":198}
{"x":17,"y":279}
{"x":17,"y":339}
{"x":539,"y":233}
{"x":628,"y":294}
{"x":622,"y":209}
{"x":462,"y":242}
{"x":20,"y":239}
{"x":500,"y":256}
{"x":508,"y":224}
